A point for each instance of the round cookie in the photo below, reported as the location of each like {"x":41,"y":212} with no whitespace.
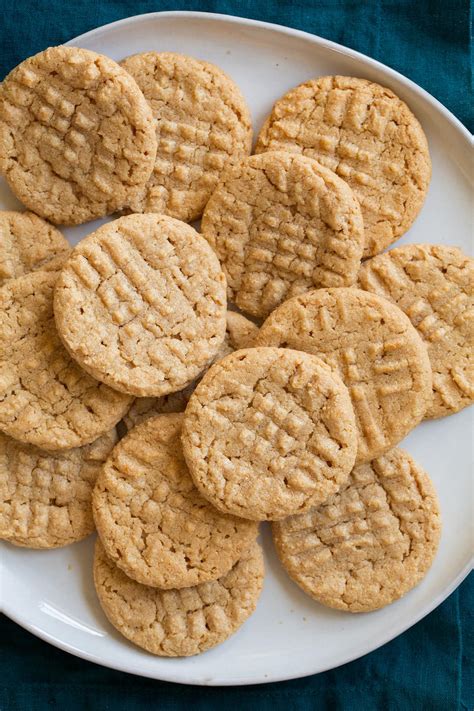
{"x":153,"y":522}
{"x":434,"y":285}
{"x":45,"y":497}
{"x":371,"y":542}
{"x":202,"y":122}
{"x":179,"y":623}
{"x":239,"y":334}
{"x":77,"y":137}
{"x":141,"y":304}
{"x":28,"y":243}
{"x":369,"y":137}
{"x":45,"y":398}
{"x":281,"y":224}
{"x":374,"y":348}
{"x":269,"y":432}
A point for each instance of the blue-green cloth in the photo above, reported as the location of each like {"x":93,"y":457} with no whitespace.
{"x":428,"y":41}
{"x":430,"y":667}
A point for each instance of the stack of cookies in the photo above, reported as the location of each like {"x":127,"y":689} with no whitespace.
{"x":136,"y":399}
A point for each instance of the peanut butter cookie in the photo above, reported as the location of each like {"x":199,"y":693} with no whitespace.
{"x":202,"y":122}
{"x":153,"y":522}
{"x":45,"y":398}
{"x":77,"y":137}
{"x":374,"y":348}
{"x":434,"y":285}
{"x":369,"y":137}
{"x":269,"y":432}
{"x":45,"y":497}
{"x":28,"y":243}
{"x":371,"y":542}
{"x":141,"y":304}
{"x":179,"y":623}
{"x":282,"y":224}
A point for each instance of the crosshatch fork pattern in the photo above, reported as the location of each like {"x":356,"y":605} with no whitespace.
{"x":373,"y":347}
{"x":282,"y":224}
{"x":371,"y":542}
{"x":202,"y":122}
{"x":369,"y":137}
{"x":152,"y":520}
{"x":183,"y":622}
{"x":78,"y":135}
{"x":434,"y":286}
{"x":45,"y":398}
{"x":268,"y":432}
{"x":141,"y":304}
{"x":45,"y":497}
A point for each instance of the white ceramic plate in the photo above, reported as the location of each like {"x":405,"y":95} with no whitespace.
{"x":51,"y":593}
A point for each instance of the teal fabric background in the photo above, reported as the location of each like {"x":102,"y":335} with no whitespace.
{"x":427,"y":40}
{"x":430,"y":667}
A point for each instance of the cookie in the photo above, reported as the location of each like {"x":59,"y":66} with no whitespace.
{"x":202,"y":122}
{"x":144,"y":407}
{"x":374,"y":348}
{"x":369,"y":137}
{"x":27,"y":243}
{"x":141,"y":304}
{"x":239,"y":333}
{"x":153,"y":522}
{"x":434,"y":285}
{"x":45,"y":398}
{"x":282,"y":224}
{"x":179,"y":623}
{"x":371,"y":542}
{"x":56,"y":263}
{"x":77,"y":137}
{"x":269,"y":432}
{"x":45,"y":497}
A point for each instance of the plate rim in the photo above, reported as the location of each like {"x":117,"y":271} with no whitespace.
{"x":243,"y":681}
{"x":284,"y":29}
{"x":465,"y":134}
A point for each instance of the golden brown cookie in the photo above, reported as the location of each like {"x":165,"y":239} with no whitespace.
{"x":369,"y":137}
{"x":77,"y":137}
{"x":434,"y":285}
{"x":371,"y":542}
{"x":144,"y":407}
{"x":153,"y":522}
{"x":269,"y":432}
{"x":202,"y":122}
{"x":179,"y":623}
{"x":56,"y":263}
{"x":282,"y":224}
{"x":45,"y":497}
{"x":141,"y":304}
{"x":239,"y":334}
{"x":28,"y":243}
{"x":45,"y":398}
{"x":374,"y":348}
